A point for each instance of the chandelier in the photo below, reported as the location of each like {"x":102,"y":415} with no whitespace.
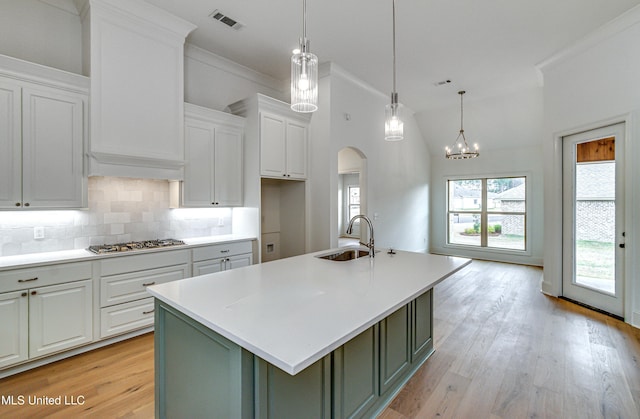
{"x":461,"y":149}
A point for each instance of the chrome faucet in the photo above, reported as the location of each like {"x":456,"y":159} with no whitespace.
{"x":370,"y":245}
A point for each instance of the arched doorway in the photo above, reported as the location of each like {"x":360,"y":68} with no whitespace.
{"x":352,"y":193}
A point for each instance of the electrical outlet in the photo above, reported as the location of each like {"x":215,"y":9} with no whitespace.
{"x":220,"y":222}
{"x":38,"y":233}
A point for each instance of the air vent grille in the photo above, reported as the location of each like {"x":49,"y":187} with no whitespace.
{"x":230,"y":22}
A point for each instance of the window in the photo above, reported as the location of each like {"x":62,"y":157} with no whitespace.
{"x":354,"y":201}
{"x":487,"y":212}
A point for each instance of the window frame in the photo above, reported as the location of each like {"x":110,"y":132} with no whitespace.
{"x":484,"y":213}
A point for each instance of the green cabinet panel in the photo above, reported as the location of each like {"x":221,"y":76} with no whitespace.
{"x":198,"y":372}
{"x":394,"y":347}
{"x":280,"y":395}
{"x":422,"y":326}
{"x":356,"y":375}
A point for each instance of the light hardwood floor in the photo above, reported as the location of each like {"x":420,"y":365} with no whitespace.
{"x":503,"y":350}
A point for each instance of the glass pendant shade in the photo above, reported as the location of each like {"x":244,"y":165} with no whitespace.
{"x":304,"y":73}
{"x":393,"y":125}
{"x":304,"y":81}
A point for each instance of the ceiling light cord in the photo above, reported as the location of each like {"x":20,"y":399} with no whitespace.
{"x":394,"y":52}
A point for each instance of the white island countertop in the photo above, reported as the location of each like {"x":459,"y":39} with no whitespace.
{"x":292,"y":312}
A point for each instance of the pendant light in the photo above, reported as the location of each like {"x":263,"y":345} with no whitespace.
{"x":304,"y":73}
{"x":393,"y":125}
{"x":461,"y":149}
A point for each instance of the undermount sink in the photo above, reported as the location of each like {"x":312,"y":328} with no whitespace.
{"x":343,"y":255}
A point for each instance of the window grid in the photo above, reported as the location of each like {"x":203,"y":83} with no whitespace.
{"x":480,"y":219}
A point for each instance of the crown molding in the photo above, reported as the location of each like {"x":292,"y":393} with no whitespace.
{"x":223,"y":64}
{"x":614,"y":27}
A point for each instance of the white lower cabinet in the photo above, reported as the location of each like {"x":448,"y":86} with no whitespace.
{"x":45,"y":310}
{"x":125,"y":304}
{"x":14,"y":335}
{"x":221,"y":257}
{"x":60,"y":317}
{"x":50,"y":308}
{"x":41,"y":321}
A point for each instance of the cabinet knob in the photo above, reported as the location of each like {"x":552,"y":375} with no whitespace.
{"x":17,"y":204}
{"x":26,"y":204}
{"x":24,"y":294}
{"x":34,"y":292}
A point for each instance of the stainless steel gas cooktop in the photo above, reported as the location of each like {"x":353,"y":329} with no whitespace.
{"x":126,"y":247}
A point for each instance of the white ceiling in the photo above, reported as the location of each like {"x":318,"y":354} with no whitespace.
{"x":485,"y":47}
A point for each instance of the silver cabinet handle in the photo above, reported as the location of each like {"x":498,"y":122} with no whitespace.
{"x":28,"y":280}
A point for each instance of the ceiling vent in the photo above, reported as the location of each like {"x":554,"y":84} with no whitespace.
{"x":442,"y":83}
{"x":221,"y":17}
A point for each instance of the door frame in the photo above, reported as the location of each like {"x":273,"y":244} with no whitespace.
{"x":613,"y":304}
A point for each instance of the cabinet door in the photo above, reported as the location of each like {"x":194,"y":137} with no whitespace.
{"x":304,"y":395}
{"x":52,"y":149}
{"x":198,"y":170}
{"x":208,"y":266}
{"x":296,"y":150}
{"x":239,"y":261}
{"x":356,"y":376}
{"x":60,"y":317}
{"x":421,"y":336}
{"x":272,"y":145}
{"x":10,"y":144}
{"x":394,"y":347}
{"x":14,"y":328}
{"x":228,"y":167}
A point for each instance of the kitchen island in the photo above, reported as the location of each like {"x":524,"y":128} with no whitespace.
{"x":299,"y":337}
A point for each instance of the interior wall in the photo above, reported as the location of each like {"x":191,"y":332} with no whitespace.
{"x":41,"y":33}
{"x":397,"y":172}
{"x":215,"y":82}
{"x":509,"y":132}
{"x":593,"y":84}
{"x":526,"y":161}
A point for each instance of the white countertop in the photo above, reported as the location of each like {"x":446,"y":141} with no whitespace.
{"x":38,"y":259}
{"x":292,"y":312}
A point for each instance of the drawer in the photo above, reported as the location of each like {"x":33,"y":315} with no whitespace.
{"x":45,"y":275}
{"x":116,"y":289}
{"x":126,"y":317}
{"x":131,"y":263}
{"x":221,"y":250}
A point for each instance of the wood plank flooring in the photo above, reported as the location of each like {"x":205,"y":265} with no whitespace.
{"x":503,"y":350}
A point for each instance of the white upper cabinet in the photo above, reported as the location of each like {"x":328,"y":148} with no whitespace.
{"x":281,"y":135}
{"x":137,"y":89}
{"x":10,"y":144}
{"x":43,"y":126}
{"x":213,"y":159}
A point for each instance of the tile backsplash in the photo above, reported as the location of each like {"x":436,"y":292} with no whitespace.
{"x":120,"y":210}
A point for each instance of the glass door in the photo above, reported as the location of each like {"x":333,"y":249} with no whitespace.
{"x":593,"y":215}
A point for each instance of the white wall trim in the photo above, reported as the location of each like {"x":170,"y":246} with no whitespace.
{"x":619,"y":24}
{"x":223,"y":64}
